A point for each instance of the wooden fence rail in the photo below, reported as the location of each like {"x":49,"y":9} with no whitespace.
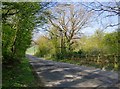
{"x":103,"y":61}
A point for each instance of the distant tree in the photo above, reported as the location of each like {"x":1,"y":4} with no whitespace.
{"x":93,"y":44}
{"x":69,"y":21}
{"x":55,"y":39}
{"x":45,"y":47}
{"x":112,"y":42}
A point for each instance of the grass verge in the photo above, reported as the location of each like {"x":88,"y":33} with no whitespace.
{"x":18,"y":76}
{"x":87,"y":64}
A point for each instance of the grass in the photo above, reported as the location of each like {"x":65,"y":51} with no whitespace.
{"x":19,"y":76}
{"x":88,"y":64}
{"x":32,"y":50}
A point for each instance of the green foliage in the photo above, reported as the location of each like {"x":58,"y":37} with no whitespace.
{"x":45,"y":47}
{"x":100,"y":43}
{"x":93,"y":45}
{"x":19,"y":21}
{"x":19,"y":76}
{"x":7,"y":39}
{"x":111,"y":41}
{"x":55,"y":40}
{"x":49,"y":46}
{"x":91,"y":51}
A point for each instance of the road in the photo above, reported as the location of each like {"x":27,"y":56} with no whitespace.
{"x":58,"y":74}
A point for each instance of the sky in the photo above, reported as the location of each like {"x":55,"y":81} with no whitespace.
{"x":77,"y":0}
{"x":96,"y":24}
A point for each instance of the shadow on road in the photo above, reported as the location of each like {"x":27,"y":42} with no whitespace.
{"x":56,"y":74}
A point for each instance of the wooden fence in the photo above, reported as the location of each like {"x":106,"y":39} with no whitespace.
{"x":110,"y":61}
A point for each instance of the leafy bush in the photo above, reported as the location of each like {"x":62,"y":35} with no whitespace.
{"x":45,"y":47}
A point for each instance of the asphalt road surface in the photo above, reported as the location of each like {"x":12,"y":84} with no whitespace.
{"x":58,"y":74}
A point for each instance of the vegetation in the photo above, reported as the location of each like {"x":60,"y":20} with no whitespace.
{"x":44,"y":49}
{"x":66,"y":43}
{"x":19,"y":19}
{"x":112,"y":42}
{"x":19,"y":76}
{"x":68,"y":23}
{"x":99,"y":50}
{"x":18,"y":24}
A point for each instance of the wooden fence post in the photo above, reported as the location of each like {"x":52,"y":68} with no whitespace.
{"x":115,"y":62}
{"x":98,"y":59}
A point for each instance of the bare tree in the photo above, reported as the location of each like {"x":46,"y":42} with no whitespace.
{"x":109,"y":9}
{"x":70,"y":20}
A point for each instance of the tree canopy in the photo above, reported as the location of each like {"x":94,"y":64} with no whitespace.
{"x":19,"y":20}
